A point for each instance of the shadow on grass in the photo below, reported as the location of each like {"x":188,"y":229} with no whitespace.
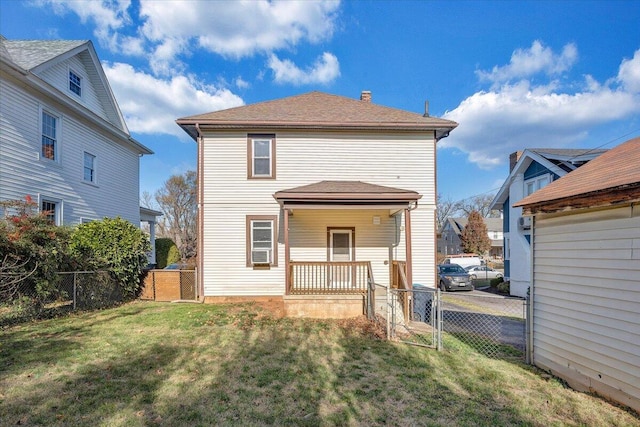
{"x":242,"y":367}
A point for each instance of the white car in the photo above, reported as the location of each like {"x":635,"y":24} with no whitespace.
{"x":482,"y":272}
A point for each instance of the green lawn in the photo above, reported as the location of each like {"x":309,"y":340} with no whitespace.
{"x":188,"y":364}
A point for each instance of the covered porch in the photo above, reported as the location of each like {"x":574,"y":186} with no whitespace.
{"x":341,"y":236}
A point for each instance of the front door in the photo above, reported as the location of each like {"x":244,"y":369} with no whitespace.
{"x":341,"y":250}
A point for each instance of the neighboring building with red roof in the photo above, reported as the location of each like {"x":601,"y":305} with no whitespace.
{"x":585,"y":290}
{"x":529,"y":171}
{"x":303,"y":199}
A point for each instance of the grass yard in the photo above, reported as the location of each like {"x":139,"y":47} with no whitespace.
{"x":187,"y":364}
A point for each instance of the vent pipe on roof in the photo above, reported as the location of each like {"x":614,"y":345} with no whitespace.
{"x":426,"y":108}
{"x":365,"y":96}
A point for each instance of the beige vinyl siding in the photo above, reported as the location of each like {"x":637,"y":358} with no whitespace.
{"x":22,"y":172}
{"x":374,"y":243}
{"x":587,"y":299}
{"x":400,"y":160}
{"x":224,"y":258}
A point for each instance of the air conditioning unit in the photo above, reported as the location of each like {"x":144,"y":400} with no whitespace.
{"x":262,"y":256}
{"x":524,"y":222}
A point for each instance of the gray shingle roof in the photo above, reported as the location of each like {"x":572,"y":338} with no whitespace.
{"x":28,"y":54}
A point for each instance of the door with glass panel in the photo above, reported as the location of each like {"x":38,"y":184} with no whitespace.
{"x":341,"y":250}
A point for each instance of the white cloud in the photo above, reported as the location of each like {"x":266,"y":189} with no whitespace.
{"x":518,"y":114}
{"x":528,"y":62}
{"x":241,"y":83}
{"x":629,"y":74}
{"x":151,"y":105}
{"x":107,"y":16}
{"x":165,"y":31}
{"x":324,"y":70}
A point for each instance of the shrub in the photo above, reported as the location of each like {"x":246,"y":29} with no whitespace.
{"x":116,"y":245}
{"x":166,"y":252}
{"x":33,"y":250}
{"x":504,"y":287}
{"x":495,"y":282}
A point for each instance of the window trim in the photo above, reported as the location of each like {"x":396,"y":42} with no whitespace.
{"x":352,"y":235}
{"x":71,"y":82}
{"x":94,"y":168}
{"x":274,"y":239}
{"x":535,"y":181}
{"x":58,"y":211}
{"x":58,"y":136}
{"x":250,"y":155}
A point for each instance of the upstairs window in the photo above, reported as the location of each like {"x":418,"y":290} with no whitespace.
{"x":89,"y":168}
{"x":534,"y":184}
{"x":261,"y":241}
{"x":49,"y":136}
{"x":261,"y":158}
{"x":75,"y":83}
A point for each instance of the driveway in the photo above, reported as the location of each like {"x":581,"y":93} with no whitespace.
{"x":495,"y":317}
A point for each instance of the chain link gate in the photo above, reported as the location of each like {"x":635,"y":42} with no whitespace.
{"x":493,"y":325}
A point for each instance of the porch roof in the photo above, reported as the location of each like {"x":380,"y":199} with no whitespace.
{"x":345,"y":193}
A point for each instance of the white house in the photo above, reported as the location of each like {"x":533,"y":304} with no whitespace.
{"x":63,"y":139}
{"x":302,"y":199}
{"x":585,"y":293}
{"x":529,"y":171}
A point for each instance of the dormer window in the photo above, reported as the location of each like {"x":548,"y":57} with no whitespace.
{"x":75,"y":83}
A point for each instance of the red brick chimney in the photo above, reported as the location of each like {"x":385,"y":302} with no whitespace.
{"x":365,"y":96}
{"x":513,"y":159}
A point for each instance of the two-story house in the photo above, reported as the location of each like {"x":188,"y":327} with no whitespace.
{"x":450,"y":242}
{"x":63,"y":139}
{"x":306,"y":198}
{"x":529,"y":171}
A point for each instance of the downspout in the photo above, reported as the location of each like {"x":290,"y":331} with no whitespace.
{"x":530,"y":298}
{"x":200,"y":213}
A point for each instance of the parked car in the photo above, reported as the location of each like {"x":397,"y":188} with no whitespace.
{"x":179,"y":266}
{"x":482,"y":272}
{"x":452,"y":277}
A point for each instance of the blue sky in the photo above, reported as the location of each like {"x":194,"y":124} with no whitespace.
{"x":513,"y":74}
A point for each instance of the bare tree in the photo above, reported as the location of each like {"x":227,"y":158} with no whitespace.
{"x":12,"y":272}
{"x":480,"y":204}
{"x":445,"y":208}
{"x":177,"y":201}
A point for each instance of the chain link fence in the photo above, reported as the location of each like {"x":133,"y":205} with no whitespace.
{"x":79,"y":290}
{"x":493,"y":325}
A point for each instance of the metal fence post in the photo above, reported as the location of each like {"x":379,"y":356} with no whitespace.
{"x":439,"y":320}
{"x":75,"y":293}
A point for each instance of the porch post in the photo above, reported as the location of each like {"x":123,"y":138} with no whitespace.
{"x":407,"y":239}
{"x":287,"y":273}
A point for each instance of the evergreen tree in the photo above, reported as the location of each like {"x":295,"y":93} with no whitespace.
{"x":475,"y":238}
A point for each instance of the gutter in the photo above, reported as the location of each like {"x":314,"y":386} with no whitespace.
{"x":34,"y":82}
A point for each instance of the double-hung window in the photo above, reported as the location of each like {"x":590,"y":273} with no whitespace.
{"x":89,"y":168}
{"x":75,"y":83}
{"x":261,"y":240}
{"x":261,"y":159}
{"x":49,"y":136}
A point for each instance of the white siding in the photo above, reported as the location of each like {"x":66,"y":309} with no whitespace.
{"x":58,"y":77}
{"x":587,"y":300}
{"x":23,"y":172}
{"x":402,"y":160}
